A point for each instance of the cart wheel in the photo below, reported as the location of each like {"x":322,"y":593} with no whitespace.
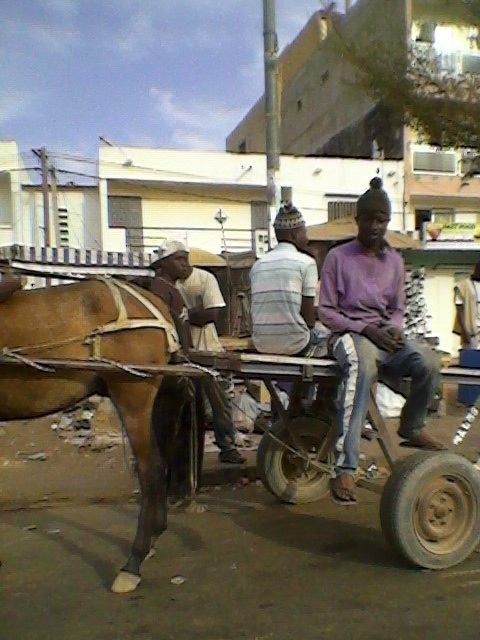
{"x":430,"y":509}
{"x":287,"y":476}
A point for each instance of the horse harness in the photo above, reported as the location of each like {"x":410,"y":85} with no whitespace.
{"x":122,"y":323}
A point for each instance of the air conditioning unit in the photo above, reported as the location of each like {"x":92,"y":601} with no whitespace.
{"x":431,"y":161}
{"x":470,"y":163}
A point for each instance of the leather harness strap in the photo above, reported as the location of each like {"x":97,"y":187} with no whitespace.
{"x":123,"y":322}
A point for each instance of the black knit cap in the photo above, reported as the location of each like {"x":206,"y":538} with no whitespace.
{"x":374,"y":200}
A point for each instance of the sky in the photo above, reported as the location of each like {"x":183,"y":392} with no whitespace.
{"x":160,"y":73}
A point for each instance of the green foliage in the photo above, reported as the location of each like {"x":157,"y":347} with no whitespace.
{"x":409,"y":83}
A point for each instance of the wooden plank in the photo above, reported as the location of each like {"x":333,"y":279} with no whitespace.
{"x":98,"y":365}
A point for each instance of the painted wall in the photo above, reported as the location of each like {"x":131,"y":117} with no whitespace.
{"x":185,"y":189}
{"x":10,"y":191}
{"x":82,"y":213}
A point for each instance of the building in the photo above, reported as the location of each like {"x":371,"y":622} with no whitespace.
{"x":148,"y":194}
{"x":324,"y":114}
{"x":73,"y":211}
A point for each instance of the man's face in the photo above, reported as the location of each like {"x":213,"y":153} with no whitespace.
{"x":372,"y":228}
{"x":176,"y":265}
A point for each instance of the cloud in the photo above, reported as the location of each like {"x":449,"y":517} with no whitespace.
{"x":16,"y":103}
{"x":62,"y":8}
{"x":134,"y":37}
{"x":56,"y":38}
{"x":201,"y":122}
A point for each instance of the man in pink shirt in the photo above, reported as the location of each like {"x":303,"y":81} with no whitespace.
{"x":362,"y":303}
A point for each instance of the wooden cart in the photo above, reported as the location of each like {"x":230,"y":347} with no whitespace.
{"x":430,"y":503}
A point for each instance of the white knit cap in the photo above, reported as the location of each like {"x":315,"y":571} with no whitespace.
{"x":169,"y":247}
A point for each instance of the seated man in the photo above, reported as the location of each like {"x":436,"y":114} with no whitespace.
{"x":170,"y":265}
{"x":283,"y":285}
{"x":204,"y":299}
{"x":362,"y":303}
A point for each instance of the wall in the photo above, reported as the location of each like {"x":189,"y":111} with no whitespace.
{"x":186,"y":189}
{"x":320,"y":100}
{"x":251,"y":130}
{"x":10,"y":191}
{"x":83,"y":215}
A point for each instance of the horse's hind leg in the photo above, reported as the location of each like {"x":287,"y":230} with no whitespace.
{"x":134,"y":402}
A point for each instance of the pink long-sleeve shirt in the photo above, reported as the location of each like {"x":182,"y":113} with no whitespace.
{"x":359,"y":289}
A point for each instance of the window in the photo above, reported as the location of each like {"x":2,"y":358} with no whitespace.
{"x":340,"y":209}
{"x":63,"y":230}
{"x":445,"y":216}
{"x":125,"y":212}
{"x":242,"y":147}
{"x":471,"y":63}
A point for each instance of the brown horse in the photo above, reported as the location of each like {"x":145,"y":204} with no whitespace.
{"x":110,"y":322}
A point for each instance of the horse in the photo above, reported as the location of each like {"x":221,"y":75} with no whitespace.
{"x":104,"y":321}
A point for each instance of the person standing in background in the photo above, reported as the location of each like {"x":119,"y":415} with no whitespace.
{"x":467,"y":303}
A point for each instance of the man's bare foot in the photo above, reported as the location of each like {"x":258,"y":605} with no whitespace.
{"x":343,"y":490}
{"x":425,"y":441}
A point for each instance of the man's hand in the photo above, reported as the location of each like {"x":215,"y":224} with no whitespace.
{"x":196,"y":315}
{"x":385,"y":339}
{"x":398,"y":335}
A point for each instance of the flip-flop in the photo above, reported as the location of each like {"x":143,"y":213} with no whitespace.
{"x":337,"y":499}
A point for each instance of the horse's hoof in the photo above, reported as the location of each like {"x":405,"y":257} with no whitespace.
{"x":125,"y":582}
{"x":151,"y":553}
{"x":196,"y":507}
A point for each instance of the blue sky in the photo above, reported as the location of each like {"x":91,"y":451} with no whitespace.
{"x":164,"y":73}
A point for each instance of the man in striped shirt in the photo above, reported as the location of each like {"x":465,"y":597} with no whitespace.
{"x":283,"y":290}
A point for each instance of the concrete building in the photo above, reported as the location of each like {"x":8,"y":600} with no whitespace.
{"x":75,"y":223}
{"x":145,"y":195}
{"x":323,"y":113}
{"x":148,"y":194}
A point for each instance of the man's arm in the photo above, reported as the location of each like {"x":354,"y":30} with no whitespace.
{"x":211,"y":302}
{"x":199,"y":316}
{"x":465,"y":336}
{"x":397,"y":309}
{"x":308,"y":311}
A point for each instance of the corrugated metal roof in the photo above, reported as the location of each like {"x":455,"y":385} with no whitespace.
{"x":347,"y":228}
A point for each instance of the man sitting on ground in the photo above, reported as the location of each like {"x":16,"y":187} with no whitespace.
{"x":362,"y":303}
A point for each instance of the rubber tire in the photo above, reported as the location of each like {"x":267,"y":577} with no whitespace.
{"x":400,"y":500}
{"x":271,"y":459}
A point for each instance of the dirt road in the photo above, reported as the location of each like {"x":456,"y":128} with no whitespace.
{"x":252,"y":568}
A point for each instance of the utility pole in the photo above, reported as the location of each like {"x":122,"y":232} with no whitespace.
{"x":53,"y":186}
{"x":271,"y":111}
{"x":46,"y":208}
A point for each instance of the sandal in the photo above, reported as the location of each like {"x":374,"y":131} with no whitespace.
{"x":342,"y":490}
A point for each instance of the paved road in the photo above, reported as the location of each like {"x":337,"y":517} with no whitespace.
{"x":253,"y":569}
